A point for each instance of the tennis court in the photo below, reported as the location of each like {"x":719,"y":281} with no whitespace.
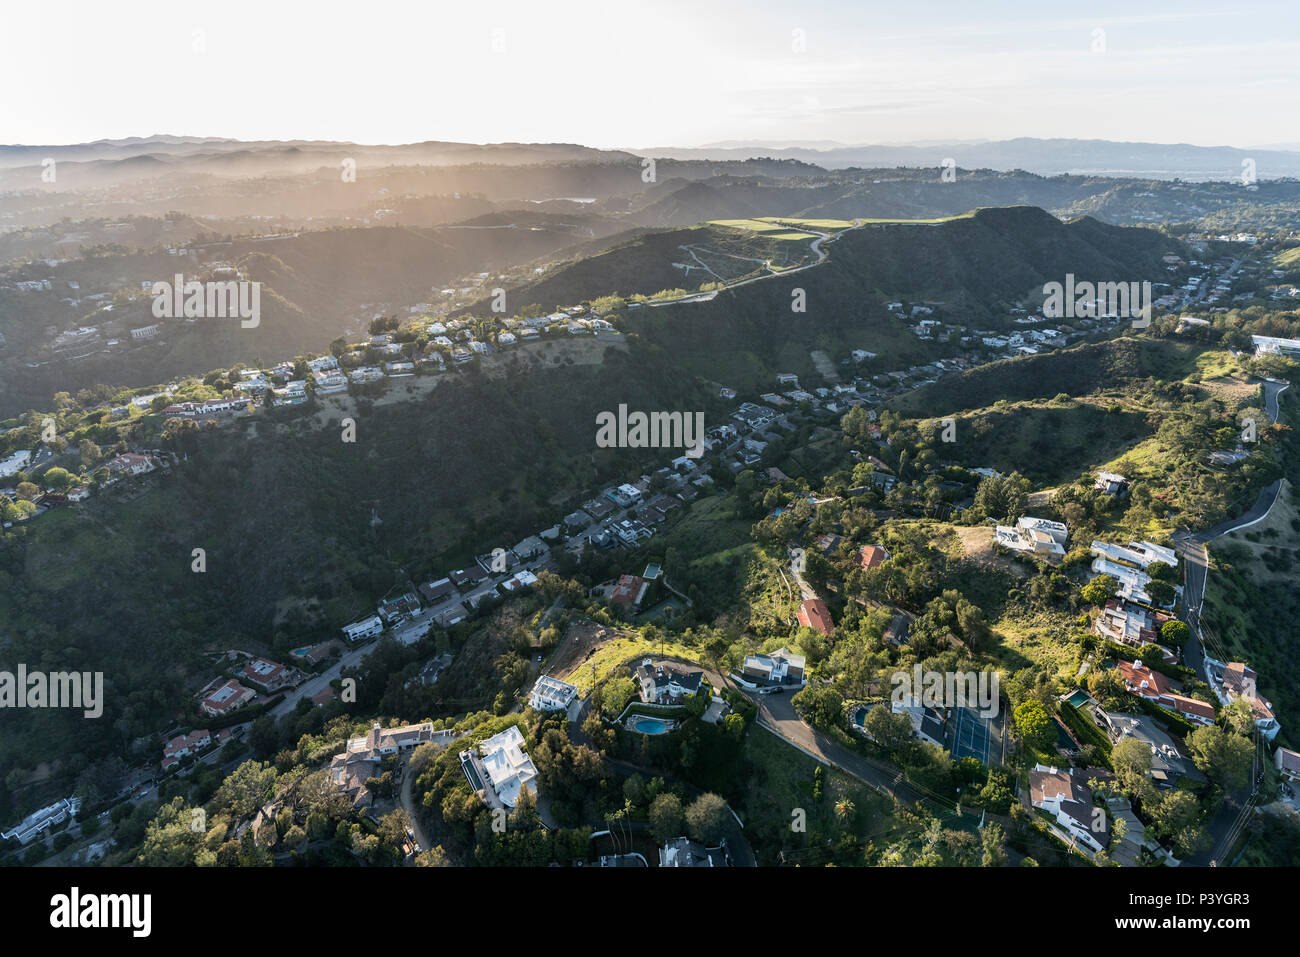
{"x":975,"y":736}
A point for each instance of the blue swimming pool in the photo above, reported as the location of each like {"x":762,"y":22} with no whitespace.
{"x":647,"y":725}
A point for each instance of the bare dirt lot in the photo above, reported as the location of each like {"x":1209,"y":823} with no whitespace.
{"x":581,"y":639}
{"x":977,"y":541}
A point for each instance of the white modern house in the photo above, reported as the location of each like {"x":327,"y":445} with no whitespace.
{"x":40,"y":821}
{"x":1039,"y":536}
{"x":552,"y":694}
{"x":15,"y":463}
{"x":1141,"y":554}
{"x":1132,"y":581}
{"x":366,"y":628}
{"x":500,"y":768}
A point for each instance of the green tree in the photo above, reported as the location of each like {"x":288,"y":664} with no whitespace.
{"x":1132,"y":762}
{"x":1224,"y":756}
{"x":666,"y":818}
{"x":1162,"y":593}
{"x":616,"y":694}
{"x":1175,"y":633}
{"x":706,"y":818}
{"x":1099,"y":589}
{"x":891,"y":731}
{"x":57,"y":479}
{"x":1034,"y":725}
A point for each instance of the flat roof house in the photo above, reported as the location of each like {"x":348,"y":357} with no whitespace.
{"x":505,"y":768}
{"x":366,"y":628}
{"x":1038,"y":535}
{"x":552,"y":694}
{"x":399,"y":608}
{"x":1168,"y":763}
{"x":1126,"y":624}
{"x":683,"y":852}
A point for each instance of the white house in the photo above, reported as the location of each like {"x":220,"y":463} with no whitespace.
{"x":1038,"y":535}
{"x":780,"y":667}
{"x":367,"y":628}
{"x":1132,"y":581}
{"x":15,"y":463}
{"x":552,"y":694}
{"x":507,"y":767}
{"x":1062,"y":794}
{"x":40,"y":821}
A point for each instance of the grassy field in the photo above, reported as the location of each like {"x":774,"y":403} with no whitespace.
{"x":770,"y":229}
{"x":613,"y":653}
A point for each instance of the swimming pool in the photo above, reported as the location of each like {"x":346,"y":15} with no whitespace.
{"x":648,"y":725}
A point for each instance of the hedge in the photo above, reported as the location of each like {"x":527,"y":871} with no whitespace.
{"x":1085,"y":730}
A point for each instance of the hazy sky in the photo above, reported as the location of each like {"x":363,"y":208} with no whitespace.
{"x":640,"y":74}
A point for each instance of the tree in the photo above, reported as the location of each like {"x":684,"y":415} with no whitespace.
{"x":1034,"y":725}
{"x":844,"y":808}
{"x":891,"y":731}
{"x":171,"y":838}
{"x":57,"y":479}
{"x":1162,"y":593}
{"x":1099,"y":589}
{"x":1002,"y":497}
{"x":1239,"y":716}
{"x":666,"y":818}
{"x":27,"y":491}
{"x":1131,"y":759}
{"x":991,"y":846}
{"x":1175,"y":633}
{"x":634,"y":790}
{"x":706,"y":818}
{"x":1176,"y":816}
{"x":1224,"y":756}
{"x":90,"y":453}
{"x":616,"y":693}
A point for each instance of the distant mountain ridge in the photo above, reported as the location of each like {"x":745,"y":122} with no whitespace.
{"x":1047,"y":157}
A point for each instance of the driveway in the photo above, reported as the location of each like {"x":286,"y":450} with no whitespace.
{"x":776,"y":713}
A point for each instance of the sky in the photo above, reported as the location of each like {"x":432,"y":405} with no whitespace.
{"x":637,"y":74}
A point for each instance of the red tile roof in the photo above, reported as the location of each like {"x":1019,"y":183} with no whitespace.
{"x":813,"y":613}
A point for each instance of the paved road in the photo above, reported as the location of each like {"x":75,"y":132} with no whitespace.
{"x":1191,"y":546}
{"x":406,"y":633}
{"x":777,"y":714}
{"x":815,"y":246}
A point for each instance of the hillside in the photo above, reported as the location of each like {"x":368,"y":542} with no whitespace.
{"x":1076,"y":372}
